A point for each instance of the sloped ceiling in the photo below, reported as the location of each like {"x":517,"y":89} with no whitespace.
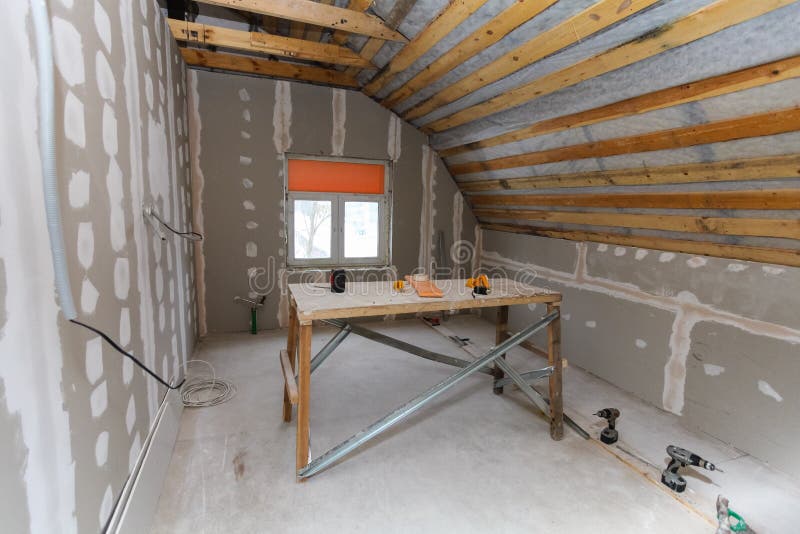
{"x":671,"y":124}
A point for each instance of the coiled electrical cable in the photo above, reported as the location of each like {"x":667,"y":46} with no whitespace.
{"x":201,"y":392}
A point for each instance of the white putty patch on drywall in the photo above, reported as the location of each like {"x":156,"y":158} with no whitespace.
{"x":124,"y":327}
{"x":68,"y":49}
{"x":122,"y":278}
{"x":103,"y":25}
{"x":133,"y":453}
{"x":74,"y":125}
{"x":85,"y":244}
{"x":247,"y":183}
{"x":736,"y":267}
{"x":251,"y":249}
{"x":772,"y":270}
{"x":591,"y":324}
{"x":620,"y":251}
{"x":602,"y":247}
{"x":251,"y":225}
{"x":195,"y":127}
{"x":458,"y":215}
{"x":130,"y":414}
{"x":428,"y":214}
{"x":109,"y":130}
{"x":94,"y":359}
{"x":89,"y":296}
{"x":244,"y":134}
{"x":339,"y":110}
{"x":106,"y":506}
{"x":79,"y":192}
{"x":641,"y":254}
{"x":769,"y":391}
{"x":101,"y":449}
{"x":148,"y":90}
{"x":248,"y":205}
{"x":98,"y":399}
{"x":394,"y":147}
{"x":666,"y":257}
{"x":244,"y":96}
{"x":713,"y":370}
{"x":104,"y":76}
{"x":640,"y":343}
{"x":282,"y":117}
{"x":680,"y":342}
{"x":245,"y":160}
{"x":696,"y":261}
{"x":246,"y":115}
{"x":116,"y":194}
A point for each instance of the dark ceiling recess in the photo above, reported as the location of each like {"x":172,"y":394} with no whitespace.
{"x":182,"y":9}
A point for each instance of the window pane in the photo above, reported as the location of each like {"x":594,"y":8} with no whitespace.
{"x":361,"y":228}
{"x":312,"y":229}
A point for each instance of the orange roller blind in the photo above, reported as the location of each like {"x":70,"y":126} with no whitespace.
{"x":335,"y":177}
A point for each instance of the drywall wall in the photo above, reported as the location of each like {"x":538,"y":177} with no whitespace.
{"x":241,"y":127}
{"x":73,"y":414}
{"x":714,"y":341}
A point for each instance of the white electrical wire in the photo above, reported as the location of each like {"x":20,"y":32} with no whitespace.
{"x":201,"y":392}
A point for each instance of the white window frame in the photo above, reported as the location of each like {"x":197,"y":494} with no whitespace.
{"x":338,"y":201}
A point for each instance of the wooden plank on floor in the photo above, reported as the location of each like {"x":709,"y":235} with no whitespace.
{"x":478,"y":41}
{"x":311,"y":12}
{"x":706,"y":21}
{"x":704,"y":248}
{"x":737,"y":170}
{"x":741,"y":226}
{"x":740,"y":80}
{"x":273,"y":69}
{"x":761,"y":124}
{"x":454,"y":14}
{"x":264,"y":43}
{"x":770,"y":199}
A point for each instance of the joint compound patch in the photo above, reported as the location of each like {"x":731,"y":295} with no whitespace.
{"x":339,"y":110}
{"x":713,"y":370}
{"x":767,"y":390}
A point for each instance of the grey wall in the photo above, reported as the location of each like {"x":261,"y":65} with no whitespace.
{"x":714,"y":341}
{"x":73,"y":414}
{"x":241,"y":128}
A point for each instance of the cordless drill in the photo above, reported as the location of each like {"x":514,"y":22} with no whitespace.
{"x":609,"y":434}
{"x":681,"y":458}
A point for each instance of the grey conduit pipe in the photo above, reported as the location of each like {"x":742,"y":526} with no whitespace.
{"x":47,"y":146}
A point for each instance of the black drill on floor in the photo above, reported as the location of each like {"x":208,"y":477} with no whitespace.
{"x":681,"y":458}
{"x":609,"y":434}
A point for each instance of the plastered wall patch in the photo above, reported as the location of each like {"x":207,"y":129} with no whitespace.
{"x":713,"y":370}
{"x":766,"y":389}
{"x":68,"y":51}
{"x":339,"y":110}
{"x":103,"y":25}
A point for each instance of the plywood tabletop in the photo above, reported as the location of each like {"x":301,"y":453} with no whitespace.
{"x":364,"y":299}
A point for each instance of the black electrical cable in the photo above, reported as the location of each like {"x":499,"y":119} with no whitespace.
{"x":192,"y":235}
{"x":127,"y":354}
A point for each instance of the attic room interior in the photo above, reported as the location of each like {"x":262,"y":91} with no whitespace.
{"x":541,"y":257}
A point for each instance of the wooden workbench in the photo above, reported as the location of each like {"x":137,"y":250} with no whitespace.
{"x":309,"y":302}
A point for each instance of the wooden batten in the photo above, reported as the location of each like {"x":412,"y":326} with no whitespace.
{"x":589,"y":21}
{"x":263,"y":67}
{"x":454,"y":14}
{"x":773,"y":199}
{"x":704,"y":248}
{"x":319,"y":14}
{"x":737,"y":170}
{"x":740,"y":80}
{"x":781,"y":228}
{"x":264,"y":43}
{"x":485,"y":36}
{"x":761,"y":124}
{"x":706,"y":21}
{"x":288,"y":377}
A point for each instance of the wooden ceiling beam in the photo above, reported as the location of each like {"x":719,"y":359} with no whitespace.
{"x":759,"y":75}
{"x":576,"y":28}
{"x":761,"y":124}
{"x":311,"y":12}
{"x":263,"y":43}
{"x":770,"y":199}
{"x":454,"y":14}
{"x":393,"y":20}
{"x":736,"y":170}
{"x":775,"y":256}
{"x":741,"y":226}
{"x":706,"y":21}
{"x":264,"y":67}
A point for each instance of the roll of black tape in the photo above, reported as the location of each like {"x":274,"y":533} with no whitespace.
{"x":338,"y":280}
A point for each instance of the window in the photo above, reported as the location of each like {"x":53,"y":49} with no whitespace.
{"x":337,"y":212}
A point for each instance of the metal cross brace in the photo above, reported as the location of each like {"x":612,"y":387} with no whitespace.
{"x":421,"y":400}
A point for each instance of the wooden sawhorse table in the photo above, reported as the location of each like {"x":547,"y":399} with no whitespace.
{"x":310,"y":302}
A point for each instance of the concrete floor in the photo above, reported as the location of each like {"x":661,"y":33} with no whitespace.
{"x":471,"y":462}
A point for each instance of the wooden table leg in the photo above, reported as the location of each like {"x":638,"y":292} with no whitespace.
{"x":291,"y":349}
{"x":303,"y":386}
{"x":501,"y":333}
{"x":554,"y":359}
